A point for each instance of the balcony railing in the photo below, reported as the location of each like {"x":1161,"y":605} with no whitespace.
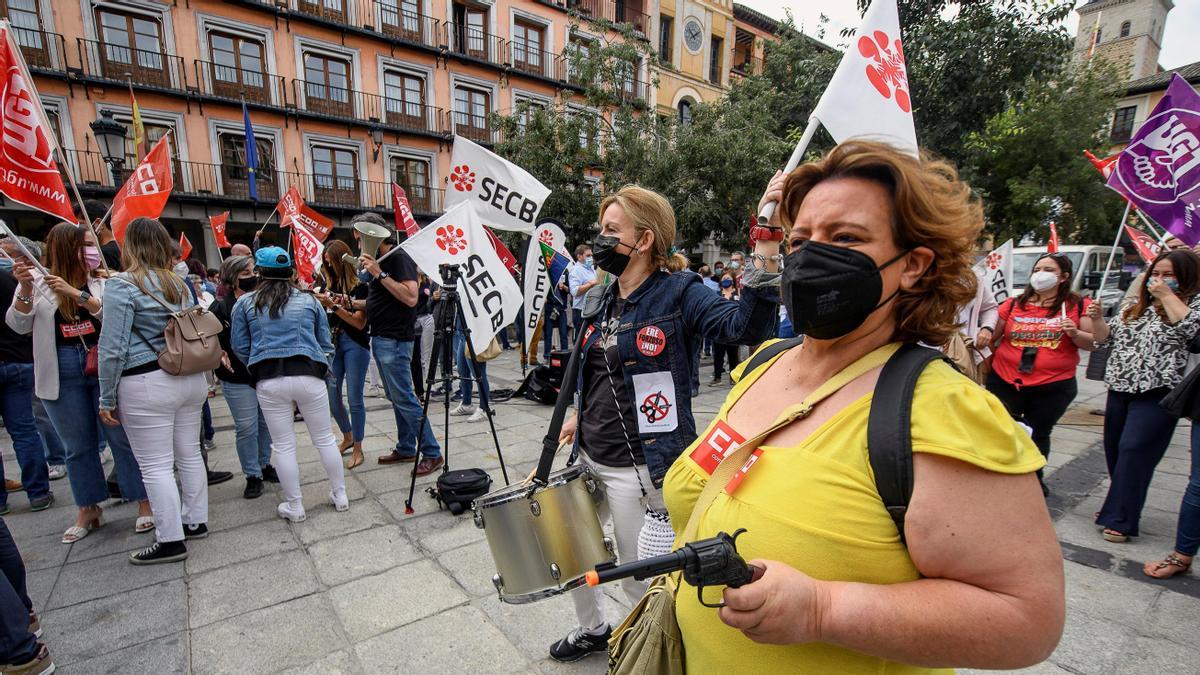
{"x":406,"y":25}
{"x":396,"y":113}
{"x":475,"y":43}
{"x":473,"y":127}
{"x":255,"y":86}
{"x":41,"y":49}
{"x":632,"y":91}
{"x":746,"y":65}
{"x":119,"y":63}
{"x":537,"y":62}
{"x":618,"y":11}
{"x":203,"y":179}
{"x":327,"y":99}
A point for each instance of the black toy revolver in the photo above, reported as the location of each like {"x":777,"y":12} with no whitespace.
{"x":708,"y":562}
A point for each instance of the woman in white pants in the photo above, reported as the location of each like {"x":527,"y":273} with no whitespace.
{"x":160,"y":412}
{"x":283,"y":337}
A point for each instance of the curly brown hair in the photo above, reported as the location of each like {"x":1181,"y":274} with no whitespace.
{"x":931,"y":207}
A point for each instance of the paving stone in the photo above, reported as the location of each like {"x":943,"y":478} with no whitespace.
{"x":472,"y":567}
{"x":236,"y":511}
{"x":385,"y":480}
{"x":318,"y":492}
{"x":375,"y":604}
{"x":342,"y":559}
{"x":592,"y":665}
{"x":161,"y":656}
{"x":1110,"y":597}
{"x":324,"y":522}
{"x":38,"y":585}
{"x":1173,"y":618}
{"x":110,"y":575}
{"x":1089,"y":644}
{"x":337,"y":663}
{"x":112,"y":537}
{"x":1043,"y":668}
{"x":441,"y":531}
{"x":534,"y":627}
{"x":249,"y":585}
{"x":1152,"y":655}
{"x":43,"y":552}
{"x":426,"y":646}
{"x":239,"y":544}
{"x":87,"y":629}
{"x":286,"y":635}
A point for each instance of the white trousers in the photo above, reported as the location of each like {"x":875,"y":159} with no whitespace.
{"x":623,"y":504}
{"x":276,"y":397}
{"x":161,"y":417}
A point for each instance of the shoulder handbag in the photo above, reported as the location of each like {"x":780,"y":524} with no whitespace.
{"x":649,"y":641}
{"x":192,"y":338}
{"x":1184,"y":399}
{"x":493,"y":350}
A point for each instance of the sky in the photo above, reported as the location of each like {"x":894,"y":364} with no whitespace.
{"x":1177,"y":49}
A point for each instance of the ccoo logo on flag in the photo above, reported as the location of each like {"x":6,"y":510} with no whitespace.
{"x":451,"y":239}
{"x":463,"y":178}
{"x":888,"y":71}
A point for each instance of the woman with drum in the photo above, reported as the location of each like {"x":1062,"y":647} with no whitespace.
{"x":635,"y":369}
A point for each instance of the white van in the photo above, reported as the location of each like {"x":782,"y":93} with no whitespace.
{"x":1085,"y":259}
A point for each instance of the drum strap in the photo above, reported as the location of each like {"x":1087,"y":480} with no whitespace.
{"x":566,"y":394}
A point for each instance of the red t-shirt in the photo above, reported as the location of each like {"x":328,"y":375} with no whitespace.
{"x":1036,"y":327}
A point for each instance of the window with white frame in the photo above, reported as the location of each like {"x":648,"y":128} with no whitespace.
{"x":471,"y":108}
{"x":334,"y":174}
{"x":404,"y":99}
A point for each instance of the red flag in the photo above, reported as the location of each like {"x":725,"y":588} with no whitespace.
{"x":146,"y":192}
{"x":1104,"y":166}
{"x":218,"y":228}
{"x":404,"y":216}
{"x":502,"y":252}
{"x":306,"y":248}
{"x":185,"y":247}
{"x":293,"y":209}
{"x":28,"y":173}
{"x":1146,"y":246}
{"x":1052,"y":245}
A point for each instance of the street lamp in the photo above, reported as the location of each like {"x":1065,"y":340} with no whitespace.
{"x":110,"y":136}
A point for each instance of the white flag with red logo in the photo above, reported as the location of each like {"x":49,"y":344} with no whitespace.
{"x":145,"y":192}
{"x":292,"y":209}
{"x":996,"y":269}
{"x":28,"y":173}
{"x":505,"y":196}
{"x":868,"y":96}
{"x":306,"y":249}
{"x":1146,"y":245}
{"x":537,"y":281}
{"x":490,"y":295}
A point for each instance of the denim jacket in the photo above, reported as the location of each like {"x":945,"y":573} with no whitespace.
{"x":661,"y":327}
{"x":129,"y":316}
{"x":300,"y":330}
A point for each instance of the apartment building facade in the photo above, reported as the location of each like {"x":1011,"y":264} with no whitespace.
{"x":345,"y":96}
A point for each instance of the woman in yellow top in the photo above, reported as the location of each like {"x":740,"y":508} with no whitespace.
{"x":880,"y":250}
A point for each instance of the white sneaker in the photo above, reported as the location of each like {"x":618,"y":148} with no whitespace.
{"x":289,"y":512}
{"x":338,"y":499}
{"x":478,"y":416}
{"x":460,"y":410}
{"x":57,"y":471}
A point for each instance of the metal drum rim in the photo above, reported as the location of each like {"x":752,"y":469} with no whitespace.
{"x":556,"y":479}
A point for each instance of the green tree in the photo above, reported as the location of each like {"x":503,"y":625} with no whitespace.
{"x":1028,"y":166}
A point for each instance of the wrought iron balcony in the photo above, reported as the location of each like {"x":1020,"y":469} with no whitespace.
{"x":42,"y":50}
{"x":360,"y":106}
{"x":121,"y":63}
{"x":537,"y":62}
{"x":477,"y":128}
{"x":475,"y":43}
{"x":236,"y":84}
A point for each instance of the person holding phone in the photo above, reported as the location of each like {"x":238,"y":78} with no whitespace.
{"x":1039,"y":337}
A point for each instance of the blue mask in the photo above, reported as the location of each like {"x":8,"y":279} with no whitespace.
{"x":1172,"y":284}
{"x":726,"y":283}
{"x":365,"y":277}
{"x":6,"y":264}
{"x":587,"y":262}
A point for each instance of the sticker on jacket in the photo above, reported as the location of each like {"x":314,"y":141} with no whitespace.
{"x":651,"y":340}
{"x":654,"y":402}
{"x":721,"y":440}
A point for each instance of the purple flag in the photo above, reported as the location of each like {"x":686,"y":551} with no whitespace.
{"x":1159,"y":171}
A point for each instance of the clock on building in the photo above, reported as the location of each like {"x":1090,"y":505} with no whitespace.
{"x":693,"y":35}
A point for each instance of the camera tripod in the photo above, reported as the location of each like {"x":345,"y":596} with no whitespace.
{"x":449,"y":312}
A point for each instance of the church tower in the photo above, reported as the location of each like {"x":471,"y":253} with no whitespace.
{"x":1129,"y":33}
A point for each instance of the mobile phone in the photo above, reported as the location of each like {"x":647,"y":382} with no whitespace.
{"x":1028,"y":355}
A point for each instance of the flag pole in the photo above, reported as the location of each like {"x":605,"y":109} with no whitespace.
{"x":1112,"y":255}
{"x":768,"y":209}
{"x":1162,"y":238}
{"x":90,"y":227}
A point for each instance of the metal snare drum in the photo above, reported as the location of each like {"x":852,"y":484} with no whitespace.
{"x":543,"y":544}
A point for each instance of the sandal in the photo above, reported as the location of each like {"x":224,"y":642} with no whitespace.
{"x":75,"y":532}
{"x":1114,"y":536}
{"x":143,"y":524}
{"x":1172,"y":563}
{"x":356,"y":459}
{"x":345,"y":446}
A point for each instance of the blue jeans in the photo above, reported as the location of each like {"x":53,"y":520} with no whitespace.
{"x":394,"y":359}
{"x":350,"y":361}
{"x":467,"y":376}
{"x":253,"y":438}
{"x":51,"y":443}
{"x":785,"y":329}
{"x":1187,"y":535}
{"x":16,"y":390}
{"x":17,"y":644}
{"x":74,"y":416}
{"x":206,"y":422}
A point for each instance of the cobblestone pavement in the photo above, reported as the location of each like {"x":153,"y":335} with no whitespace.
{"x":374,"y":590}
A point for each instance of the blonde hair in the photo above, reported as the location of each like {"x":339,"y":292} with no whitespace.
{"x":148,"y":247}
{"x":651,"y":212}
{"x":931,"y":207}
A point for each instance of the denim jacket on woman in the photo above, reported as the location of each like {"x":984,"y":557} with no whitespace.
{"x":129,"y":316}
{"x":661,"y":326}
{"x":301,"y":329}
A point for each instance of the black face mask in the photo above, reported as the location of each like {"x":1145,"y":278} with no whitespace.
{"x":831,"y":290}
{"x":606,"y":256}
{"x":247,"y":284}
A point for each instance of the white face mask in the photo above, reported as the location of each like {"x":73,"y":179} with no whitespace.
{"x":1043,"y":280}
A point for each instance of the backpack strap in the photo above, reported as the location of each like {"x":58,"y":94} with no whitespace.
{"x":889,"y":427}
{"x":769,"y":352}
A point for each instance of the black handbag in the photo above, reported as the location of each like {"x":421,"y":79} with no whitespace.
{"x":1184,"y":399}
{"x":457,"y":489}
